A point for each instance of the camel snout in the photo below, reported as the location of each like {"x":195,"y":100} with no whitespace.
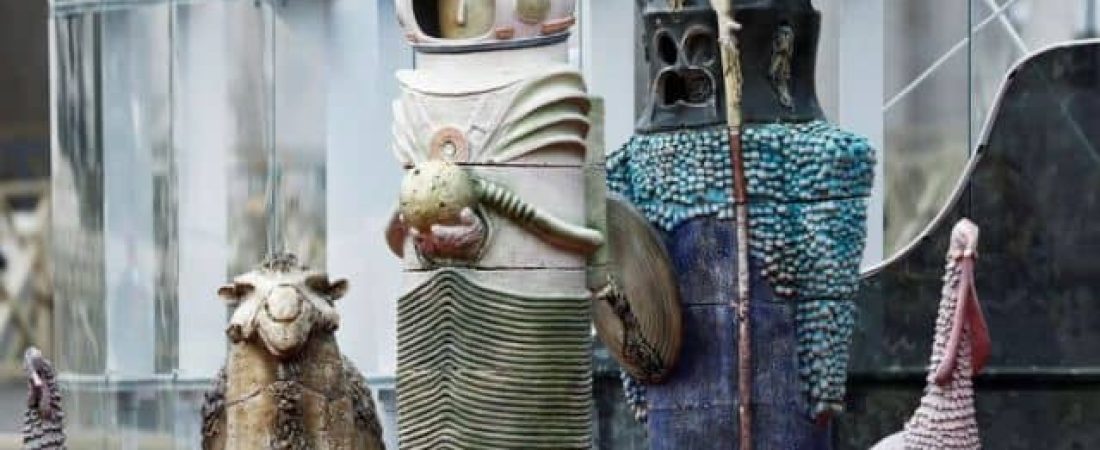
{"x":284,"y":304}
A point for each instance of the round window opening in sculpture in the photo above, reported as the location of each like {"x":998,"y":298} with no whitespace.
{"x":455,"y":19}
{"x":699,"y":47}
{"x":666,"y":49}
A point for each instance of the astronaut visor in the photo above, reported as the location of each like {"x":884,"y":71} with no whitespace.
{"x":454,"y":19}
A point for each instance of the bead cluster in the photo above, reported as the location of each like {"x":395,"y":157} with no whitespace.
{"x":806,"y":162}
{"x":674,"y":176}
{"x":807,"y":185}
{"x":809,"y":250}
{"x":946,"y":418}
{"x":635,"y":394}
{"x":824,"y":329}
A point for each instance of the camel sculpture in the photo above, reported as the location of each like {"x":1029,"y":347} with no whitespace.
{"x":285,"y":384}
{"x":945,"y":419}
{"x":43,"y":426}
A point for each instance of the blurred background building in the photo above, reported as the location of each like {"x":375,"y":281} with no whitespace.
{"x":25,"y":292}
{"x":173,"y":118}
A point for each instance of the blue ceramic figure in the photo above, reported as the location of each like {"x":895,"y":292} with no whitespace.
{"x":807,"y":182}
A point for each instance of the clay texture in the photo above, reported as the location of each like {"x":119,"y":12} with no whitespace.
{"x":285,"y":384}
{"x":44,"y":420}
{"x":494,"y":326}
{"x":945,"y":419}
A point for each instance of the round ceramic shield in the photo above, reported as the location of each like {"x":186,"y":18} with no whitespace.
{"x":638,"y":315}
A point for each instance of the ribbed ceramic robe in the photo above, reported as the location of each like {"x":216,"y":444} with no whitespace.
{"x":495,"y":351}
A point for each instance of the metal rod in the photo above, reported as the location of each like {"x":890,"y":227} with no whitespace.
{"x":731,"y":69}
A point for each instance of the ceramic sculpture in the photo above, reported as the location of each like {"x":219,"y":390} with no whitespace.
{"x":946,"y":419}
{"x":806,"y":181}
{"x":285,"y":384}
{"x":494,"y":340}
{"x":43,"y":422}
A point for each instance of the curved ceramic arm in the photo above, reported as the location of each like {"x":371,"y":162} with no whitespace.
{"x":507,"y":203}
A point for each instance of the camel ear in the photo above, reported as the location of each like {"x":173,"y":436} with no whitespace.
{"x":233,"y":293}
{"x":333,"y":290}
{"x":338,"y":288}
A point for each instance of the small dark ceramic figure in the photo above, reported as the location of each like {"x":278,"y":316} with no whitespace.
{"x":43,"y":423}
{"x":685,"y":70}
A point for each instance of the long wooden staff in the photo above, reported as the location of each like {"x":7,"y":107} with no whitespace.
{"x":731,"y":71}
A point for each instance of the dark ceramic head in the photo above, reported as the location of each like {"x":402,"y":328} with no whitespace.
{"x":684,"y":67}
{"x":778,"y":44}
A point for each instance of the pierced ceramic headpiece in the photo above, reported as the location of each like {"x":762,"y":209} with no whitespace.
{"x":778,"y":49}
{"x":460,"y":26}
{"x":685,"y":69}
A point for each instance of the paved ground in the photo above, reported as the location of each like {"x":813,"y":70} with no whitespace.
{"x":12,"y":398}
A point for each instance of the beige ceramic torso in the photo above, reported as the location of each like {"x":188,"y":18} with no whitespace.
{"x":251,"y":407}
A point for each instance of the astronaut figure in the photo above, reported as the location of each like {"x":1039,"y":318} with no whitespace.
{"x":494,"y":340}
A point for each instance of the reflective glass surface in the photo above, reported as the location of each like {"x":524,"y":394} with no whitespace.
{"x":945,"y":62}
{"x":190,"y":142}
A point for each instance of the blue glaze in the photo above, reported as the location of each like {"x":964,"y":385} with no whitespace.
{"x":696,"y":407}
{"x":807,"y":186}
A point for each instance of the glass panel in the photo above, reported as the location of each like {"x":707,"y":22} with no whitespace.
{"x":250,"y":97}
{"x":365,"y":49}
{"x":925,"y":112}
{"x":299,"y":123}
{"x":114,"y":224}
{"x":941,"y":82}
{"x":218,"y":96}
{"x":166,"y":133}
{"x":77,"y":185}
{"x":1007,"y":30}
{"x":927,"y":141}
{"x":363,"y":178}
{"x":135,"y":105}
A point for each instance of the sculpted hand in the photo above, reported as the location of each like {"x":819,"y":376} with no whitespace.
{"x":459,"y":241}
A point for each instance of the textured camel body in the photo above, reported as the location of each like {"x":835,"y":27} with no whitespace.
{"x":945,"y":419}
{"x":285,"y":384}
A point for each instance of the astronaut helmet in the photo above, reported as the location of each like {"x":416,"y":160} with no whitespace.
{"x":463,"y":26}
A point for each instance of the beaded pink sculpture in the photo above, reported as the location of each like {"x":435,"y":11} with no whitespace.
{"x":946,"y":418}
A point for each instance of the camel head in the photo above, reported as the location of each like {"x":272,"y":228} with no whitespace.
{"x":281,"y":304}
